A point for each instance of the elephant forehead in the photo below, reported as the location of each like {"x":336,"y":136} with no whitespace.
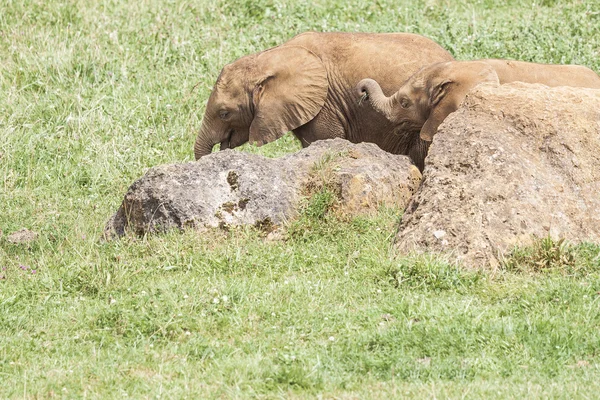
{"x":418,"y":81}
{"x":411,"y":91}
{"x":227,"y":94}
{"x":229,"y":82}
{"x":237,"y":71}
{"x":227,"y":90}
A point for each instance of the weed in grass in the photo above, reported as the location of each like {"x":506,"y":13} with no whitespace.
{"x":320,"y":203}
{"x":427,"y":273}
{"x":321,"y":199}
{"x":545,"y":254}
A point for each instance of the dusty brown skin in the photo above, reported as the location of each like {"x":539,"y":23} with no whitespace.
{"x":548,"y":74}
{"x":307,"y":85}
{"x":435,"y":91}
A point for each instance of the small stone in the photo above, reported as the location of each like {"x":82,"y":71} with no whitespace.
{"x":275,"y":236}
{"x":22,"y":236}
{"x":388,"y":317}
{"x":426,"y":361}
{"x":439,"y":234}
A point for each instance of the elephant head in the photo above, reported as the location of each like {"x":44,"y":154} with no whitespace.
{"x":260,"y":97}
{"x":428,"y":96}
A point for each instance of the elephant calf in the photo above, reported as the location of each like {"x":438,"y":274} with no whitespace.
{"x":306,"y":85}
{"x":435,"y":91}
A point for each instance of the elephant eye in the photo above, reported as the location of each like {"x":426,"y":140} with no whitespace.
{"x":223,"y":114}
{"x":405,"y":103}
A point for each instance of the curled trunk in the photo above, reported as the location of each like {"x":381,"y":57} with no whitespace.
{"x":380,"y":102}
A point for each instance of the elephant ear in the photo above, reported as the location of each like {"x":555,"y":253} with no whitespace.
{"x":291,"y":90}
{"x":442,"y":103}
{"x":449,"y":91}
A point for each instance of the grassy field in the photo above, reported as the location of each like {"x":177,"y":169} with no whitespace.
{"x":93,"y":93}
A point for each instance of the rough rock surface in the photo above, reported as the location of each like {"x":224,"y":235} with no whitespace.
{"x":232,"y":188}
{"x":513,"y":163}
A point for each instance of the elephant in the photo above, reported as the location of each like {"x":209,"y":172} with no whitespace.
{"x":548,"y":74}
{"x":306,"y":85}
{"x":437,"y":90}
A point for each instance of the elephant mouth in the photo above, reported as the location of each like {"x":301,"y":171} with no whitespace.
{"x":226,"y":143}
{"x":410,"y":126}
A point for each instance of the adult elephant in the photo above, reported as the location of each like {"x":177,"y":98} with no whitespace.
{"x":307,"y":86}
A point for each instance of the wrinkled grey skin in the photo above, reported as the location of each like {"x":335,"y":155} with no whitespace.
{"x":307,"y":86}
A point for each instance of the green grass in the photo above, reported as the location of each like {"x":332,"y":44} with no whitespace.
{"x":93,"y":93}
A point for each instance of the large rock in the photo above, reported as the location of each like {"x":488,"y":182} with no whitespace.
{"x":514,"y":163}
{"x":232,"y":188}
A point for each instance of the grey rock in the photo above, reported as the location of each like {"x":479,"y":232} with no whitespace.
{"x":231,"y":188}
{"x":513,"y":163}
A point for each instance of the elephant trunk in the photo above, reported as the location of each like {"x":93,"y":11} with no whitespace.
{"x":203,"y":144}
{"x":371,"y":89}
